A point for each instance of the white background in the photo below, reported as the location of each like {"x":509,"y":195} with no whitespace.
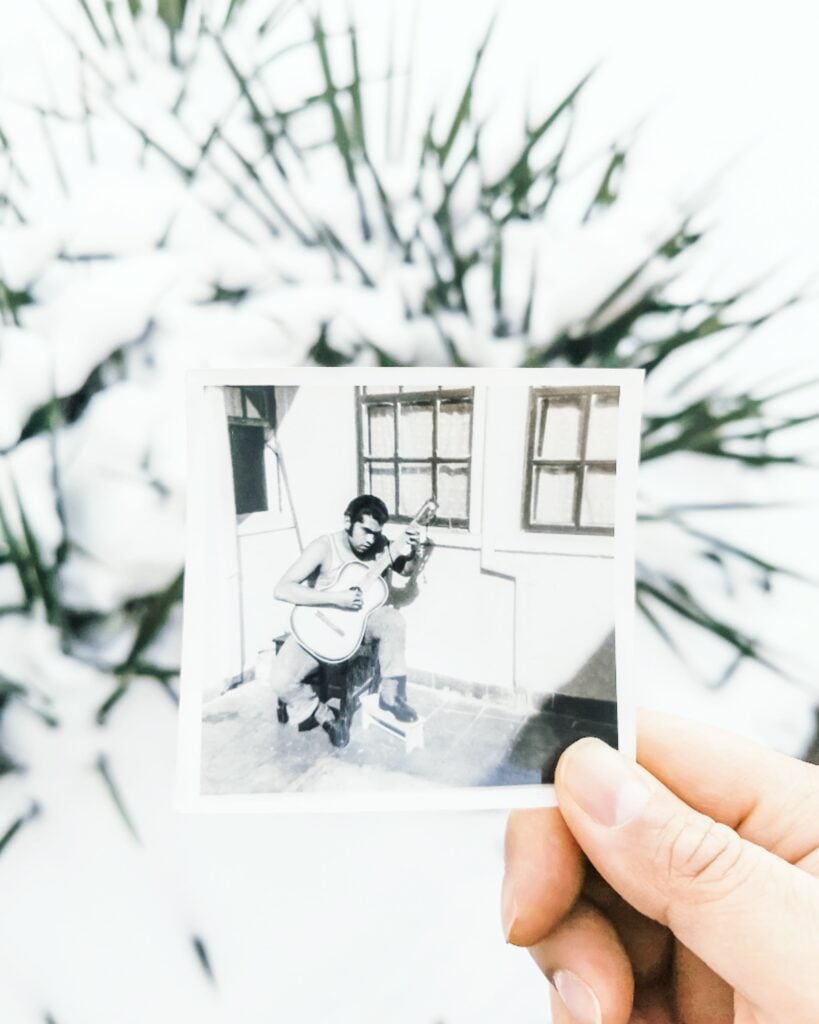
{"x":395,"y":918}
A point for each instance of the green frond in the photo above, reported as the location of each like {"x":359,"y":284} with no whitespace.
{"x":202,"y":957}
{"x":607,"y":193}
{"x":16,"y":553}
{"x":153,"y":618}
{"x":675,"y":596}
{"x":17,"y":824}
{"x":44,"y":576}
{"x":464,"y":108}
{"x":233,"y":7}
{"x":92,"y":21}
{"x":172,"y":12}
{"x":111,"y":701}
{"x":113,"y":791}
{"x":323,"y":354}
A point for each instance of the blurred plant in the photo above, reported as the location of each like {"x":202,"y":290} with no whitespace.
{"x":262,"y":218}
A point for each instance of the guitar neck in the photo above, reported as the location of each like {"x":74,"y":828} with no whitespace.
{"x":378,"y":566}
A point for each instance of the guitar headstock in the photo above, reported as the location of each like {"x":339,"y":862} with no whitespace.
{"x":426,"y":513}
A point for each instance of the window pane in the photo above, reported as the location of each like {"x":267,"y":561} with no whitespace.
{"x":247,"y":458}
{"x":414,"y":487}
{"x":453,"y":491}
{"x":233,"y":401}
{"x":415,"y":431}
{"x":558,"y":427}
{"x":454,"y":428}
{"x":602,"y":440}
{"x":553,"y":496}
{"x":381,"y":430}
{"x":382,"y":483}
{"x":597,"y":502}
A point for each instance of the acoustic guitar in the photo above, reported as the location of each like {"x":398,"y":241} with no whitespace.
{"x":333,"y":634}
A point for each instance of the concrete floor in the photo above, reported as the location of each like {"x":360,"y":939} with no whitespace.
{"x":467,"y":742}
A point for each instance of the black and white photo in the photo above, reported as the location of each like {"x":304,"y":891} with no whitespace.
{"x":406,"y":586}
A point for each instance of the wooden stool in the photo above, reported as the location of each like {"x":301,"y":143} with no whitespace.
{"x":346,"y":681}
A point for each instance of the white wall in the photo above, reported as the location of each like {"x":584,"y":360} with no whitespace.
{"x":317,"y":439}
{"x":462,"y":624}
{"x":317,"y":445}
{"x":564,"y":585}
{"x":262,"y":556}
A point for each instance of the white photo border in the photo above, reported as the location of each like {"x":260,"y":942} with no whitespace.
{"x":188,"y":796}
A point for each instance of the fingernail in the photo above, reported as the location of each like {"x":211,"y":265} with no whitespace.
{"x":605,"y":786}
{"x":509,"y":907}
{"x":577,"y":997}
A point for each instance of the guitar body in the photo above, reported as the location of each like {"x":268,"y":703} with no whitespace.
{"x":335,"y":634}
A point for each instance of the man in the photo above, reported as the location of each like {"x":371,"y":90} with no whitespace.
{"x":306,"y":582}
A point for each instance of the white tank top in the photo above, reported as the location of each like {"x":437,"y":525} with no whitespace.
{"x":338,"y":557}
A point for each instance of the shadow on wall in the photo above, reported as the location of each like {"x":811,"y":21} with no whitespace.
{"x":597,"y":676}
{"x":404,"y":589}
{"x":586,"y":705}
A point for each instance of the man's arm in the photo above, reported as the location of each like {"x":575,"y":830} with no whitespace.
{"x":403,"y":556}
{"x":291,"y":587}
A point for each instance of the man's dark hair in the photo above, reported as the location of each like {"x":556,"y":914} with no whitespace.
{"x":367,"y":505}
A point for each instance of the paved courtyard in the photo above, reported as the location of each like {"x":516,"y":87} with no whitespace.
{"x":468,"y":741}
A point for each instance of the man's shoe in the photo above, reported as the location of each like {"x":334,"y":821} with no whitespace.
{"x":338,"y":731}
{"x":309,"y":723}
{"x":400,"y":710}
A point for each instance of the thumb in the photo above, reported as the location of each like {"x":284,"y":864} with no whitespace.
{"x":752,"y":917}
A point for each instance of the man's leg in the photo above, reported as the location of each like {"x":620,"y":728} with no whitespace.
{"x":290,"y":668}
{"x":387,"y":626}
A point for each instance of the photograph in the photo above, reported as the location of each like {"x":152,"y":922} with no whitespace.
{"x":408,"y":585}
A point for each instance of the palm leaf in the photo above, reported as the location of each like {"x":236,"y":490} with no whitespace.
{"x":17,"y":824}
{"x":113,"y":791}
{"x":154,"y":617}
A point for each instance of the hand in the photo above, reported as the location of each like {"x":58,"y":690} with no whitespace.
{"x":351,"y":599}
{"x":411,"y":542}
{"x":699,"y":901}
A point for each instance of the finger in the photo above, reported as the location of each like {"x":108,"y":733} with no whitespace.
{"x":698,"y":993}
{"x":588,"y":967}
{"x":544,"y":873}
{"x":560,"y":1015}
{"x":652,"y":1008}
{"x":647,"y":943}
{"x":747,"y":914}
{"x":654,"y":1012}
{"x":768,"y":798}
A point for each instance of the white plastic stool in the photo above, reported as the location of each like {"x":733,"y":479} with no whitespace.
{"x":412,"y":733}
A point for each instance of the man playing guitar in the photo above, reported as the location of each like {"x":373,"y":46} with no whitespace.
{"x":309,"y":581}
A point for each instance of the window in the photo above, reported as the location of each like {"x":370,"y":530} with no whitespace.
{"x":571,"y":460}
{"x":414,"y":445}
{"x":251,"y":415}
